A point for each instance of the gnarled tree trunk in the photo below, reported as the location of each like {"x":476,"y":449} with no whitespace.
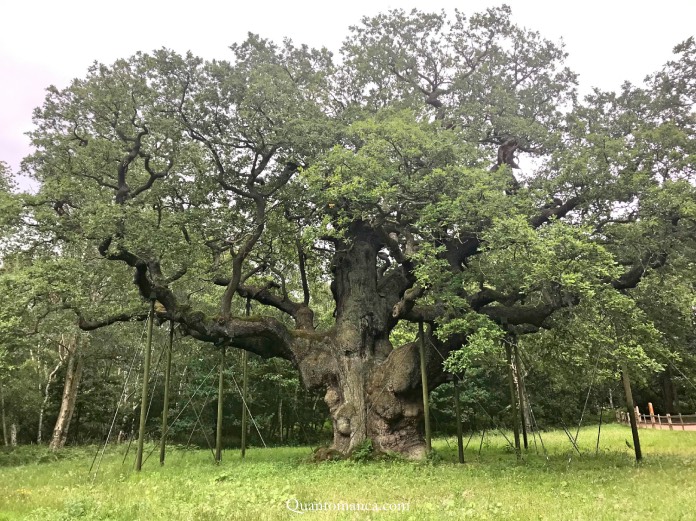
{"x":379,"y":400}
{"x":372,"y":390}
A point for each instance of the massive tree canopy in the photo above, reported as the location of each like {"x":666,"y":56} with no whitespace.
{"x":439,"y":169}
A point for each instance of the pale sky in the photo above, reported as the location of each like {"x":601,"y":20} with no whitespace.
{"x":44,"y":42}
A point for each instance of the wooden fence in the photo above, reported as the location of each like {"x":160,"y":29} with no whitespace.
{"x":679,"y":422}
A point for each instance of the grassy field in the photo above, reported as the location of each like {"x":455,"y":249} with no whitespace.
{"x":35,"y":485}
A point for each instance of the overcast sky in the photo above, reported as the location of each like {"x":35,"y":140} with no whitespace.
{"x":44,"y":42}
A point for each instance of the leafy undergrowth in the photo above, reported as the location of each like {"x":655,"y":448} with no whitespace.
{"x":283,"y":483}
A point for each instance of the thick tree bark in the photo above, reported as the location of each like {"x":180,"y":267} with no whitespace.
{"x":379,"y":400}
{"x":67,"y":404}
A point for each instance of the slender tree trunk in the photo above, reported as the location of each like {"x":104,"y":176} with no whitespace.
{"x":2,"y":413}
{"x":180,"y":388}
{"x":67,"y":404}
{"x":611,"y":400}
{"x":78,"y":418}
{"x":47,"y":390}
{"x":13,"y":434}
{"x":280,"y":419}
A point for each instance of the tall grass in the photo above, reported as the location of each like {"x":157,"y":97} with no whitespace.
{"x":37,"y":485}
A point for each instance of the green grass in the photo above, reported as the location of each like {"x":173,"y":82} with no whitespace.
{"x":35,"y":485}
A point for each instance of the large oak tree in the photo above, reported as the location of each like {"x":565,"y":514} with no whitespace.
{"x":440,"y":170}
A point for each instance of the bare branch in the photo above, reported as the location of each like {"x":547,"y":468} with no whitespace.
{"x":91,"y":325}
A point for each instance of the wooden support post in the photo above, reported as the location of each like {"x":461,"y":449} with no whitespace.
{"x":669,"y":421}
{"x":599,"y":429}
{"x":424,"y":384}
{"x":245,"y":379}
{"x":218,"y":431}
{"x":513,"y":398}
{"x":483,"y":433}
{"x":245,"y":386}
{"x":146,"y":378}
{"x":631,"y":412}
{"x":520,"y":393}
{"x":167,"y":383}
{"x":681,"y":420}
{"x":659,"y":420}
{"x":651,"y":410}
{"x":458,"y":415}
